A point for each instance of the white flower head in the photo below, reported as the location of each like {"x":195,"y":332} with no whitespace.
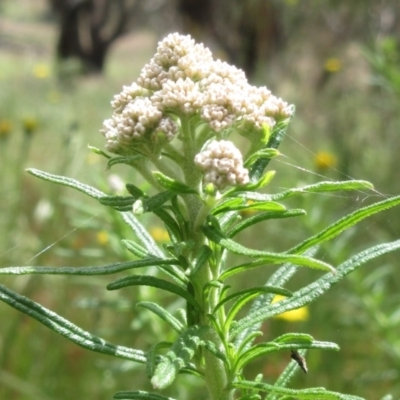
{"x":183,"y":80}
{"x":222,"y":164}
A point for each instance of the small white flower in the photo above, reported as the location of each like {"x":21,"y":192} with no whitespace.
{"x":222,"y":164}
{"x":181,"y":95}
{"x":168,"y":127}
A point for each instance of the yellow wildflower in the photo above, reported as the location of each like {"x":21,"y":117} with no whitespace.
{"x":102,"y":237}
{"x":333,"y":65}
{"x":5,"y":128}
{"x":30,"y":125}
{"x":300,"y":314}
{"x":325,"y":160}
{"x":41,"y":71}
{"x":159,"y":234}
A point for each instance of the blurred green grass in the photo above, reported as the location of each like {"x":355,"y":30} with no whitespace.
{"x":349,"y":118}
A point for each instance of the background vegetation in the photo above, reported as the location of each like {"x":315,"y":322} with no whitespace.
{"x":338,"y":61}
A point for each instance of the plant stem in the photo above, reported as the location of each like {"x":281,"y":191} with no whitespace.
{"x":215,"y":373}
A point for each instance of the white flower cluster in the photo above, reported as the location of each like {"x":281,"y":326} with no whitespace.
{"x":222,"y":164}
{"x":183,"y":78}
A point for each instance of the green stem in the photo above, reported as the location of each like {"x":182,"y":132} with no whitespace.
{"x":215,"y":373}
{"x":173,"y":154}
{"x":146,"y":174}
{"x":165,"y":168}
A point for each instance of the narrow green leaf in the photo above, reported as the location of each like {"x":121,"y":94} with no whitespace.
{"x":153,"y":358}
{"x":212,"y":348}
{"x":202,"y":258}
{"x":157,"y":201}
{"x":258,"y":206}
{"x":255,"y":352}
{"x":134,"y":190}
{"x":262,"y":217}
{"x":294,"y":338}
{"x":128,"y":217}
{"x":317,"y":393}
{"x":142,"y":234}
{"x":86,"y":271}
{"x":148,"y":242}
{"x":246,"y":342}
{"x":139,"y":395}
{"x":172,"y":185}
{"x":278,"y":278}
{"x":320,"y":187}
{"x":227,"y":219}
{"x":123,"y":160}
{"x":135,"y":248}
{"x":255,"y":290}
{"x":66,"y":328}
{"x":272,"y":258}
{"x":345,"y":223}
{"x":266,"y":178}
{"x":251,"y":397}
{"x":245,"y":296}
{"x":261,"y":349}
{"x":192,"y":314}
{"x":163,"y":314}
{"x":227,"y":205}
{"x":327,"y":186}
{"x":170,"y":224}
{"x":181,"y":352}
{"x":62,"y":180}
{"x":276,"y":137}
{"x":276,"y":258}
{"x":312,"y":291}
{"x":146,"y":280}
{"x":267,"y":153}
{"x":98,"y":151}
{"x":117,"y":201}
{"x":176,"y":208}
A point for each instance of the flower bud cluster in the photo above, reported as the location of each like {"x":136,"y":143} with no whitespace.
{"x":183,"y":79}
{"x":222,"y":164}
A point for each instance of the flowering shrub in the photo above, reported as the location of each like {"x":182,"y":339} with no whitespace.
{"x":177,"y":127}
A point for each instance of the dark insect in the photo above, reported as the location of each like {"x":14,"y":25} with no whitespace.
{"x":301,"y":361}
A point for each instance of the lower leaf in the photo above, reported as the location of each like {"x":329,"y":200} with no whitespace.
{"x":318,"y":393}
{"x":67,"y":329}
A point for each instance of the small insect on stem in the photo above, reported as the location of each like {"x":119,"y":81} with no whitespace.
{"x":301,"y":361}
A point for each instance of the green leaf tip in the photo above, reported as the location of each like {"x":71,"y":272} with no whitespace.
{"x":100,"y":152}
{"x":148,"y":280}
{"x":139,"y":395}
{"x":172,"y":184}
